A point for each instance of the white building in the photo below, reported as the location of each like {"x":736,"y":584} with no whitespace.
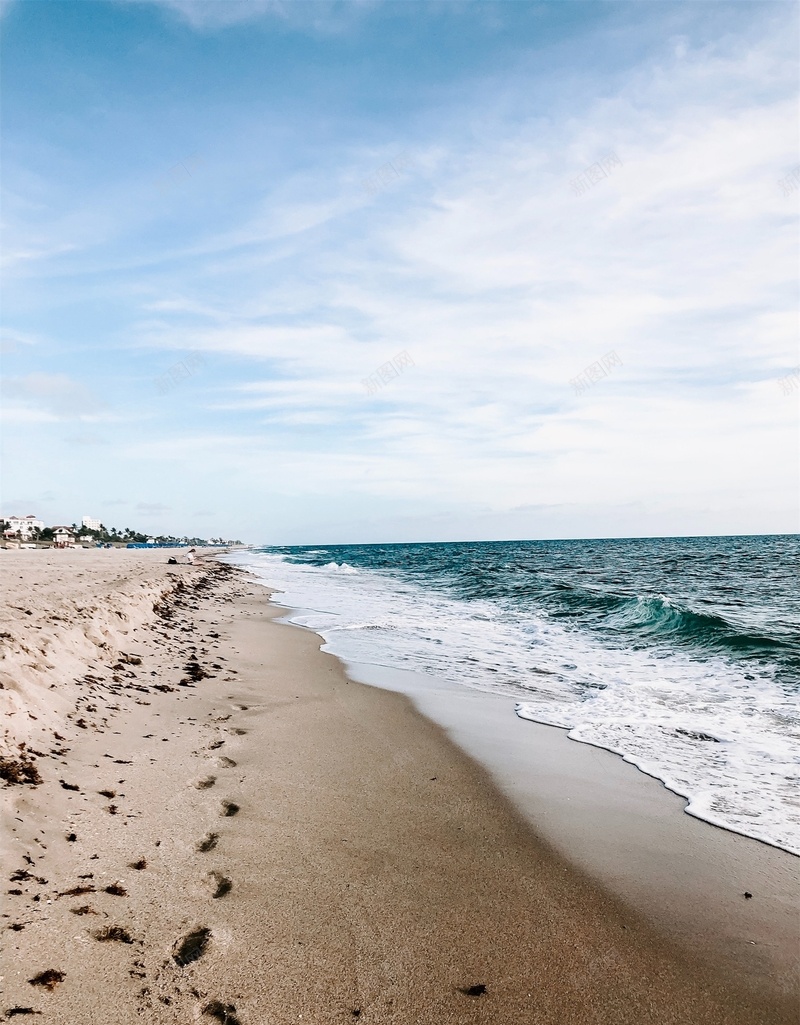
{"x":24,"y":526}
{"x":90,"y":523}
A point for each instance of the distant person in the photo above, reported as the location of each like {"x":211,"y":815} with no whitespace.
{"x":190,"y":556}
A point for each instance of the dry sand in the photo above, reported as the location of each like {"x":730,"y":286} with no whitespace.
{"x":264,"y":841}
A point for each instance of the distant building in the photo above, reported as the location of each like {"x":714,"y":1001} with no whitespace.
{"x":90,"y":523}
{"x":23,"y":527}
{"x":63,"y":535}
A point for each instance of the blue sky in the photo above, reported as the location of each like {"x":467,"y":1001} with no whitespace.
{"x":221,"y":218}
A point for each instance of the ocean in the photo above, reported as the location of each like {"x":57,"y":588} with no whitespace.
{"x":680,"y":654}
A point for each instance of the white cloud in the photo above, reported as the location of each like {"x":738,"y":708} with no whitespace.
{"x":52,"y":396}
{"x":317,"y":15}
{"x":503,"y":285}
{"x":12,"y":340}
{"x":152,"y":508}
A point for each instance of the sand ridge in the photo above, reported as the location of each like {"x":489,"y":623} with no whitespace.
{"x":66,"y":622}
{"x":87,"y":823}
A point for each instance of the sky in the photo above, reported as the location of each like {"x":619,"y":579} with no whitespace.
{"x":304,"y":273}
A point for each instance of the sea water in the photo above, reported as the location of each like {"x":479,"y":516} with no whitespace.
{"x":680,"y":654}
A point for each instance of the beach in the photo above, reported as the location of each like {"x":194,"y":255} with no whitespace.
{"x":214,"y":822}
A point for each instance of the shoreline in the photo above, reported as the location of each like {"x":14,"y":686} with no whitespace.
{"x":379,"y":675}
{"x":708,"y":716}
{"x":321,"y":847}
{"x":621,"y":826}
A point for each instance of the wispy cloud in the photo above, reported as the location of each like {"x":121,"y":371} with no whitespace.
{"x":54,"y":395}
{"x":12,"y":340}
{"x":151,"y":508}
{"x":503,"y":284}
{"x":211,"y":15}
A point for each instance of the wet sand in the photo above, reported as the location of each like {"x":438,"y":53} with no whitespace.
{"x":626,"y":831}
{"x":264,"y":840}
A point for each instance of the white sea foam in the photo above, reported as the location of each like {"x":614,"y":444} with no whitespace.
{"x":725,"y":742}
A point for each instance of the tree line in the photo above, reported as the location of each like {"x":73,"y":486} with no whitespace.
{"x":112,"y":535}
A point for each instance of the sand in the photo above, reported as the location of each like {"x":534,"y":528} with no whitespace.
{"x":264,"y":840}
{"x":630,"y":834}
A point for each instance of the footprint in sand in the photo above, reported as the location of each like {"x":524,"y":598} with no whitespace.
{"x":113,"y":934}
{"x":191,"y":947}
{"x":223,"y":1013}
{"x":222,"y":885}
{"x":208,"y":843}
{"x":205,"y":784}
{"x":229,"y":808}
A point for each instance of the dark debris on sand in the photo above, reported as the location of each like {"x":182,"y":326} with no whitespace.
{"x":77,"y":891}
{"x":19,"y":771}
{"x":473,"y":991}
{"x":195,"y":671}
{"x":23,"y":875}
{"x":113,"y":934}
{"x":48,"y":979}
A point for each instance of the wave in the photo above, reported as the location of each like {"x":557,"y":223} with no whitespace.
{"x":660,"y":617}
{"x":759,"y":808}
{"x":366,"y":626}
{"x":646,"y":617}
